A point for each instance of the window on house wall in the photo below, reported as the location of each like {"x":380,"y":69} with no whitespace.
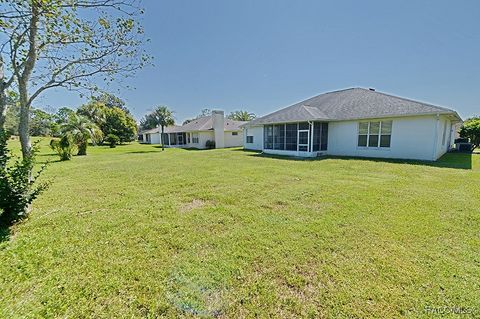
{"x":234,"y":133}
{"x":173,"y":138}
{"x":279,"y":136}
{"x":188,"y":138}
{"x":249,"y":139}
{"x":147,"y":137}
{"x":374,"y":134}
{"x":268,"y":137}
{"x":385,"y":133}
{"x":444,"y":132}
{"x":324,"y":139}
{"x":291,"y":137}
{"x":195,"y":138}
{"x":320,"y":136}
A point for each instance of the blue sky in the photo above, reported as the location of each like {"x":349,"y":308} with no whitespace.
{"x":261,"y":55}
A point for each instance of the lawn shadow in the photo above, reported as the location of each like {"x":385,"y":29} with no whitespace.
{"x":141,"y":152}
{"x":4,"y":233}
{"x":454,"y":160}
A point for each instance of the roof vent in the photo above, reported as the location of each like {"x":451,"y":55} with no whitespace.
{"x":372,"y":89}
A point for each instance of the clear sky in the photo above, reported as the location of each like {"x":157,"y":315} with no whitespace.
{"x":262,"y":55}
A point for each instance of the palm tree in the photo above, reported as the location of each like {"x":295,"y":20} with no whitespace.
{"x":81,"y":129}
{"x":163,"y":117}
{"x":241,"y":116}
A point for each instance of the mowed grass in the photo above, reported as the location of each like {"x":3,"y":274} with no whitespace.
{"x":136,"y":232}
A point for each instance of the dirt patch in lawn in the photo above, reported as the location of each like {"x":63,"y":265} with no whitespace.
{"x":194,"y":204}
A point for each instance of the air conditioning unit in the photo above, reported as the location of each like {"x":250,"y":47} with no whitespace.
{"x":463,"y":145}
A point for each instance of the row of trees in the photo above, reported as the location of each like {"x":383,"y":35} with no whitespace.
{"x":49,"y":44}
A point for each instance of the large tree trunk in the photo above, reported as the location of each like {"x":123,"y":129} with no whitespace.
{"x":24,"y":78}
{"x":3,"y":105}
{"x":82,"y":148}
{"x":24,"y":121}
{"x":3,"y":97}
{"x":161,"y":139}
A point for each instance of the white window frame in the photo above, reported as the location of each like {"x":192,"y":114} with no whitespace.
{"x":308,"y":140}
{"x":379,"y":135}
{"x":195,"y":139}
{"x":444,"y":137}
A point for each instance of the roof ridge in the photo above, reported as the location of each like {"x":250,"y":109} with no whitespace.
{"x":409,"y":100}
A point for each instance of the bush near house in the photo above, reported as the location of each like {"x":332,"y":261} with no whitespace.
{"x":112,"y":140}
{"x":18,"y":187}
{"x":210,"y":144}
{"x":65,"y":147}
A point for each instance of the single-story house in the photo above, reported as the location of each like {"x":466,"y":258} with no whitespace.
{"x":355,"y":122}
{"x":195,"y":134}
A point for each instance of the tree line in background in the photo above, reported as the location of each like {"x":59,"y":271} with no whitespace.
{"x":471,"y":130}
{"x":104,"y":117}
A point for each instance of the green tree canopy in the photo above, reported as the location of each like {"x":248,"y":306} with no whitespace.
{"x":241,"y":116}
{"x":119,"y":123}
{"x":162,"y":116}
{"x":110,"y":101}
{"x":63,"y":114}
{"x":41,"y":123}
{"x":471,"y":130}
{"x":148,"y":122}
{"x":81,"y":129}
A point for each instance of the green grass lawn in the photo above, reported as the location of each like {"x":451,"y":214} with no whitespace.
{"x":137,"y":232}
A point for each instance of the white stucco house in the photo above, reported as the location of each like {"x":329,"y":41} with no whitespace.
{"x":355,"y":122}
{"x":195,"y":134}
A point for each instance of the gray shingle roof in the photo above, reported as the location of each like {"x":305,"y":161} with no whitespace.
{"x":206,"y":124}
{"x":169,"y":129}
{"x":351,"y":104}
{"x":200,"y":124}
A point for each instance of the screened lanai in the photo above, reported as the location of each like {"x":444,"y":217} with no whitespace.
{"x":299,"y":137}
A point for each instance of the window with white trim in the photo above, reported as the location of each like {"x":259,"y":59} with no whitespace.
{"x":249,"y":139}
{"x":234,"y":133}
{"x":444,"y":132}
{"x":195,"y":138}
{"x":374,"y":134}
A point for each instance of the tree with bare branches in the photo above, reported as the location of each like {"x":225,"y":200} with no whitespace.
{"x":79,"y":45}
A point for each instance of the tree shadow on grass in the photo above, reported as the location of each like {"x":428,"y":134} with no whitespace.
{"x":454,"y":160}
{"x":141,"y":152}
{"x":4,"y":232}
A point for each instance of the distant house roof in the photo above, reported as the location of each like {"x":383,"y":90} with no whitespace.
{"x":351,"y":104}
{"x":200,"y":124}
{"x":168,"y":129}
{"x":206,"y":124}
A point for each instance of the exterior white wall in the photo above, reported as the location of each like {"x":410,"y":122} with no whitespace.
{"x":218,"y":118}
{"x":444,"y":123}
{"x":203,"y":137}
{"x":154,"y":138}
{"x":412,"y":138}
{"x":233,"y":140}
{"x":257,"y":133}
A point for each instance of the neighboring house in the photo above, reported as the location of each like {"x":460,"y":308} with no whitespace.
{"x":195,"y":134}
{"x":355,"y":122}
